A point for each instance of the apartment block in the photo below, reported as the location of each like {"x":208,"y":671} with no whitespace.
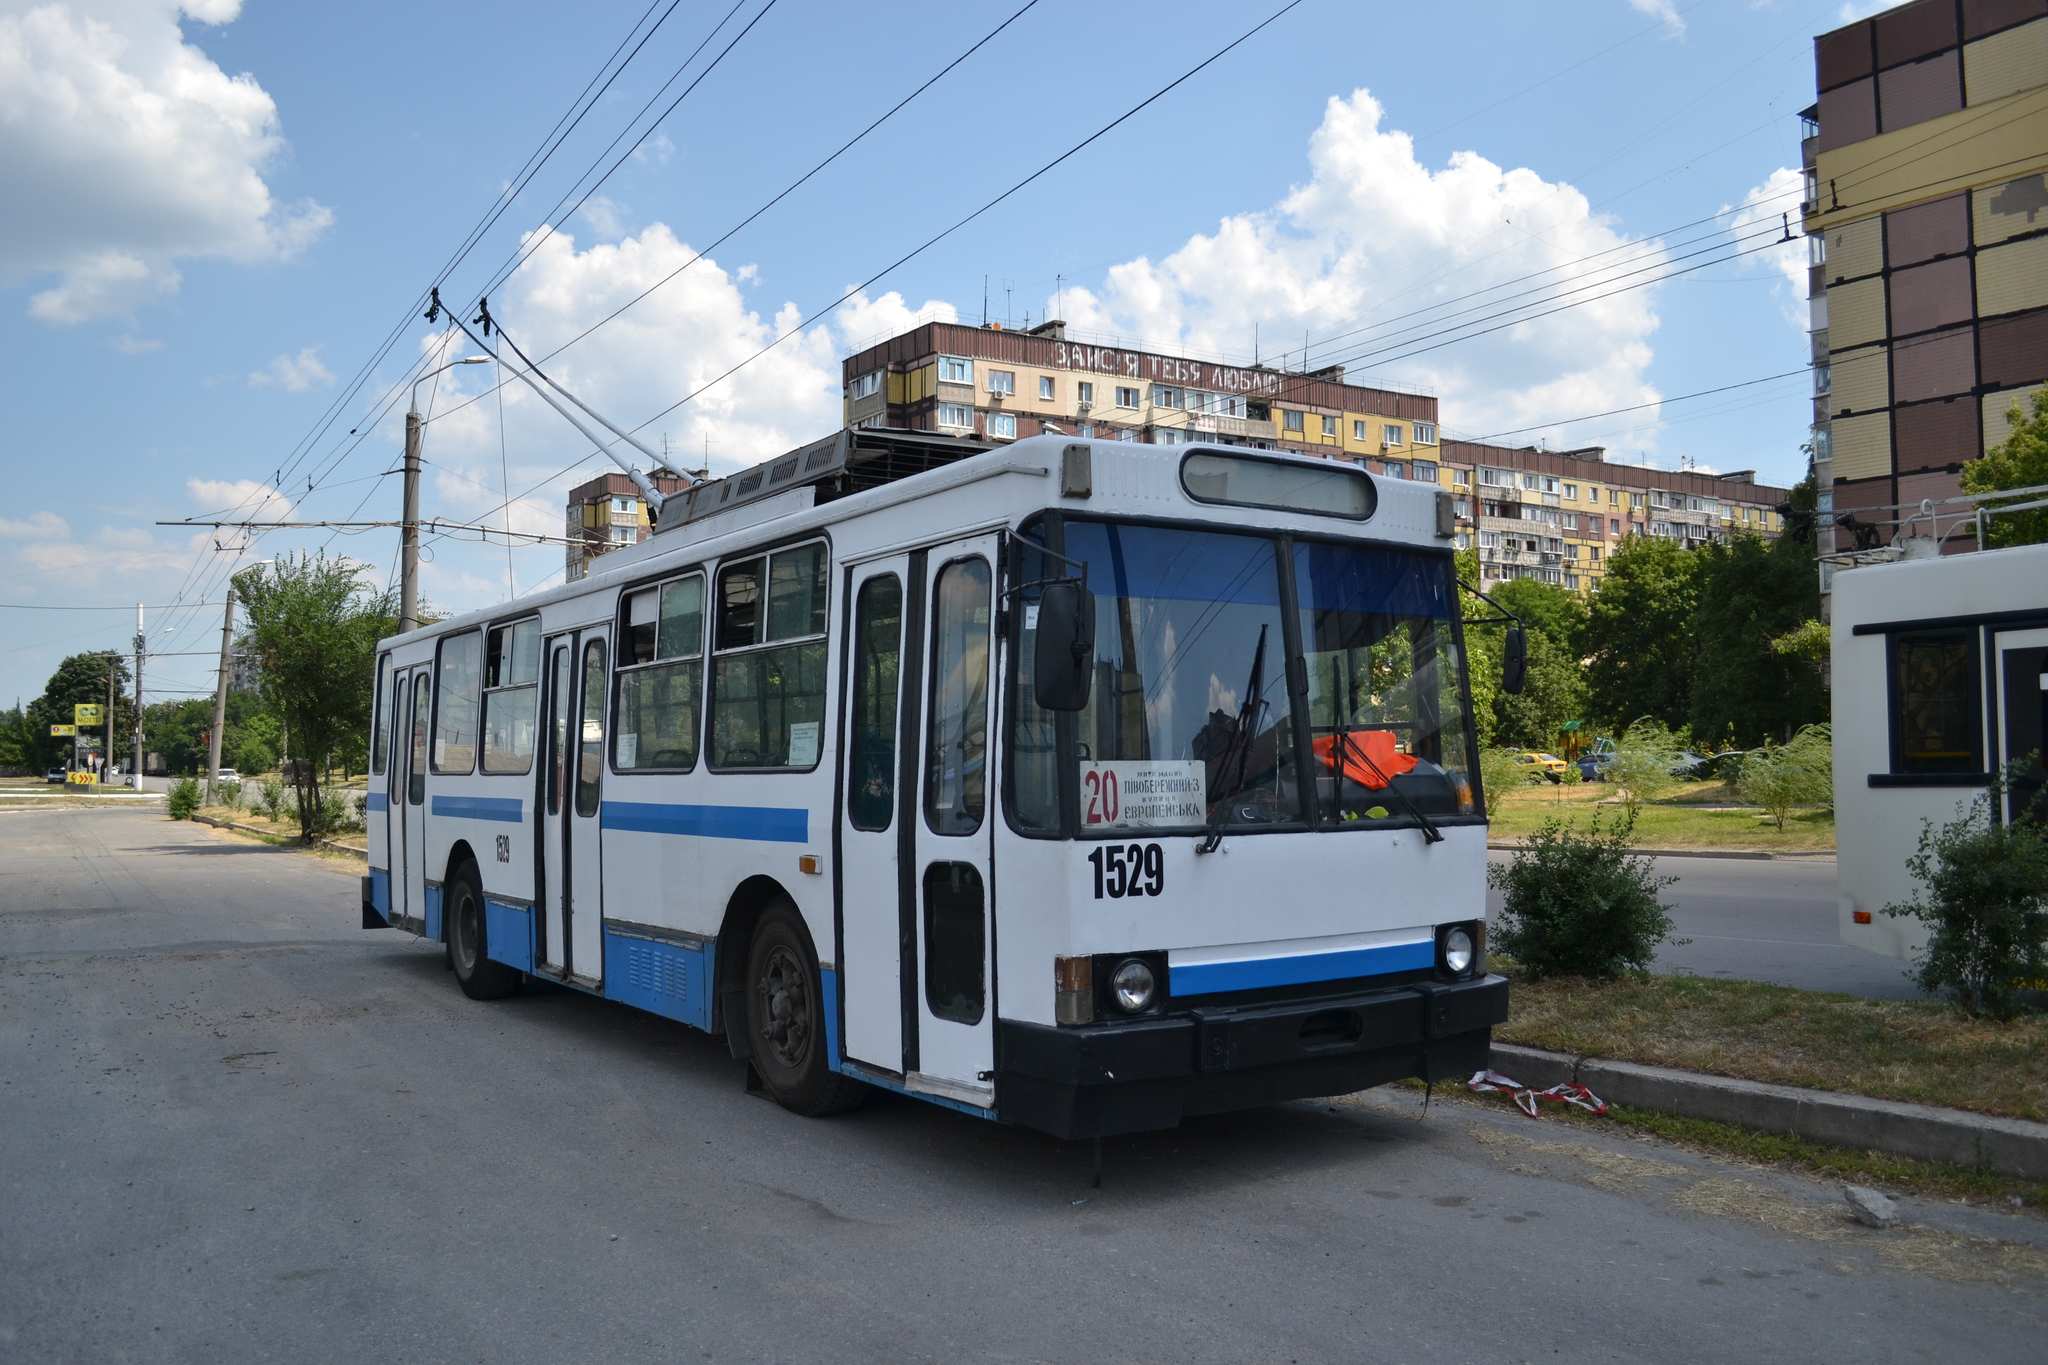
{"x":609,"y":512}
{"x":1557,"y":516}
{"x":996,"y":384}
{"x":1926,"y":211}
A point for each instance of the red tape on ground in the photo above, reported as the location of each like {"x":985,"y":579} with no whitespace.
{"x":1525,"y":1098}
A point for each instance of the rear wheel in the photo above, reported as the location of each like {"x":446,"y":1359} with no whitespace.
{"x":468,"y":940}
{"x":786,"y":1019}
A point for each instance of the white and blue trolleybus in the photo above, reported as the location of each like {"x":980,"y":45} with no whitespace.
{"x":1081,"y":785}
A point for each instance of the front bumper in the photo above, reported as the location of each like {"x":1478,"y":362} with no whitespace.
{"x":1108,"y":1078}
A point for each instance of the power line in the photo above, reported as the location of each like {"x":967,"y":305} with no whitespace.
{"x":1615,"y":412}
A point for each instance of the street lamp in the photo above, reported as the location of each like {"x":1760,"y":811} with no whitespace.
{"x":409,"y":528}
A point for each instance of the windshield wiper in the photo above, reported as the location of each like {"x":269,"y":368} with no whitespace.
{"x":1342,"y":750}
{"x":1242,"y":731}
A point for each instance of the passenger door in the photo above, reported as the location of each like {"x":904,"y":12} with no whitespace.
{"x":2023,"y":714}
{"x":952,"y":1052}
{"x":877,"y":924}
{"x":409,"y":797}
{"x":572,"y":898}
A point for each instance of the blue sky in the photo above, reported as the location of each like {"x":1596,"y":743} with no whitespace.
{"x":212,"y":218}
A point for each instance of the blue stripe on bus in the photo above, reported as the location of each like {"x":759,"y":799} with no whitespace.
{"x":672,"y":979}
{"x":507,"y":808}
{"x":828,"y":981}
{"x":767,"y":824}
{"x":433,"y":915}
{"x":380,"y":892}
{"x":1208,"y":978}
{"x":508,"y":933}
{"x":377,"y":801}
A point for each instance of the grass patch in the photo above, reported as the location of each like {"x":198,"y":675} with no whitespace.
{"x":1680,"y":820}
{"x":1919,"y":1051}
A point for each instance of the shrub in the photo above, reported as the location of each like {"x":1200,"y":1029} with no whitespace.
{"x":1498,"y":774}
{"x":1580,"y":904}
{"x":1641,"y":769}
{"x":1782,"y":777}
{"x":229,"y":794}
{"x":333,"y":817}
{"x":273,"y":798}
{"x":183,"y":798}
{"x":1986,"y":903}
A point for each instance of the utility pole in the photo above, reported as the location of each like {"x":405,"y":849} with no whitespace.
{"x":220,"y":704}
{"x":141,"y":641}
{"x":107,"y":758}
{"x":409,"y":530}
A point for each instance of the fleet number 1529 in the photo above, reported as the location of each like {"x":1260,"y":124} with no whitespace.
{"x":1129,"y":870}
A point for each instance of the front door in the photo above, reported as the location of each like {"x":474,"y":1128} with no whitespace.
{"x":2023,"y":712}
{"x":409,"y":796}
{"x":878,"y":935}
{"x":953,"y":1050}
{"x":572,"y":900}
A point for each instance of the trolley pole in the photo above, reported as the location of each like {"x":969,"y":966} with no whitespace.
{"x":106,"y":771}
{"x":409,"y":530}
{"x":141,"y":641}
{"x":220,"y":703}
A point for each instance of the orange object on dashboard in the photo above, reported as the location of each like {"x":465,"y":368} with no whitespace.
{"x":1370,"y":758}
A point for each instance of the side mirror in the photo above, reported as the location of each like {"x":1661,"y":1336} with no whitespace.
{"x":1063,"y":666}
{"x":1515,"y":665}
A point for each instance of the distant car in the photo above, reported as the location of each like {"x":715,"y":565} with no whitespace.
{"x":57,"y":775}
{"x":1593,"y":766}
{"x":1686,"y":763}
{"x":230,"y":775}
{"x":1547,"y":765}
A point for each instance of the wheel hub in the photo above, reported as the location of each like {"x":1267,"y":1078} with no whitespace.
{"x":786,"y":1009}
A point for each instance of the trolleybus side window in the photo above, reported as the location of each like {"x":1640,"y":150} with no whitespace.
{"x":1384,"y":713}
{"x":590,"y":755}
{"x":871,"y":720}
{"x":1935,"y":721}
{"x":416,"y":770}
{"x":768,"y":678}
{"x":511,"y":685}
{"x":661,"y":679}
{"x":380,"y":732}
{"x":558,"y":733}
{"x":456,"y":702}
{"x":956,"y":757}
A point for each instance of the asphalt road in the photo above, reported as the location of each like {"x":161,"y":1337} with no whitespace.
{"x":1765,"y":920}
{"x":235,"y":1127}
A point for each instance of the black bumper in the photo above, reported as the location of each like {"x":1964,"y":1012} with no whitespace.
{"x":1100,"y":1079}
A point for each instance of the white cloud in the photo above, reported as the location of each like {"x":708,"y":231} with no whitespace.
{"x":607,"y":217}
{"x":1763,"y":208}
{"x":678,"y":340}
{"x":135,"y":345}
{"x":239,"y":499}
{"x":1375,"y":240}
{"x":1661,"y":9}
{"x":294,"y":374}
{"x":39,"y":526}
{"x":123,"y":149}
{"x":863,"y":322}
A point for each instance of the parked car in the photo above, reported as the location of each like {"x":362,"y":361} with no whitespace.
{"x":1593,"y":766}
{"x":230,"y":775}
{"x":56,"y":775}
{"x":1686,"y":763}
{"x":1546,"y":765}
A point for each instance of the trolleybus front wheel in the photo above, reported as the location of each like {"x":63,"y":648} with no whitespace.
{"x":480,"y":977}
{"x":786,"y":1019}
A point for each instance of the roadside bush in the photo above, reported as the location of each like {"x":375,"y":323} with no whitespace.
{"x":1498,"y":774}
{"x":1580,"y":904}
{"x":1641,"y":769}
{"x":1986,"y":903}
{"x":1783,"y":777}
{"x":335,"y":813}
{"x":183,"y":798}
{"x":229,"y":794}
{"x":273,"y":798}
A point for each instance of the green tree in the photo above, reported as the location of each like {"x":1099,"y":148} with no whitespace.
{"x":313,"y":627}
{"x":80,"y":678}
{"x":17,"y":742}
{"x":1639,"y":633}
{"x":1553,"y":692}
{"x":2019,"y":461}
{"x":1783,"y":777}
{"x":1558,"y":613}
{"x":1753,"y":592}
{"x":1482,"y":652}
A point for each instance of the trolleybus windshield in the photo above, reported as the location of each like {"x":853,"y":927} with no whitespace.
{"x":1209,"y":706}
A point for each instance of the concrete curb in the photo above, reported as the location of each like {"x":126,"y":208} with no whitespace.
{"x":1922,"y":1132}
{"x":1760,"y":855}
{"x":330,"y":844}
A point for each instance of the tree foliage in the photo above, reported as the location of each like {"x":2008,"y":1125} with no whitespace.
{"x":313,"y":628}
{"x":2019,"y":461}
{"x":1639,"y":633}
{"x":1753,"y":592}
{"x":80,"y":678}
{"x":1783,"y":777}
{"x":1641,"y":767}
{"x":178,"y":731}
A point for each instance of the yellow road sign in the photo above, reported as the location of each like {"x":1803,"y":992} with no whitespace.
{"x":89,"y":713}
{"x":62,"y":731}
{"x":83,"y":777}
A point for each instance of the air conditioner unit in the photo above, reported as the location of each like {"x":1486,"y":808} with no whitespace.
{"x":1084,"y":407}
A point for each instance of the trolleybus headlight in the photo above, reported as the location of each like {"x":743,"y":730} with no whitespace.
{"x":1133,"y":985}
{"x":1457,"y":952}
